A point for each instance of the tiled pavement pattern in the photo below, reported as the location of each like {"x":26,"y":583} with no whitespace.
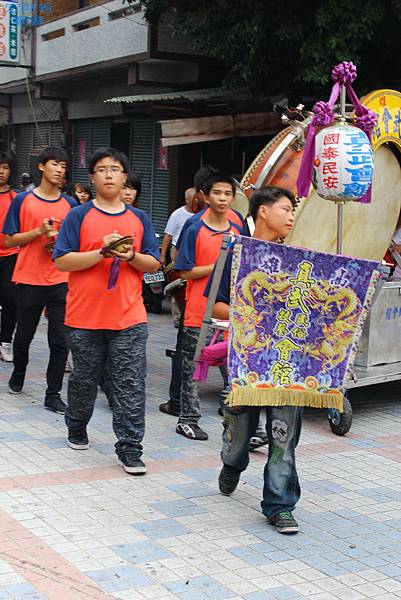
{"x":74,"y":526}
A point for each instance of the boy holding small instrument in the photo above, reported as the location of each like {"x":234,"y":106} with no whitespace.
{"x":107,"y":245}
{"x":32,"y":223}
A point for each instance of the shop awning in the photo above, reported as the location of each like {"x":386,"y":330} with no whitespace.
{"x":205,"y":129}
{"x":172,"y":97}
{"x":234,"y":123}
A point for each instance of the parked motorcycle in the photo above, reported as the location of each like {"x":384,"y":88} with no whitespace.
{"x":152,"y":291}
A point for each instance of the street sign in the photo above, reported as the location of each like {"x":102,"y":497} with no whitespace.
{"x":9,"y":34}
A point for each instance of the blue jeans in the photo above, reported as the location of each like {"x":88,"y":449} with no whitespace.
{"x":281,"y":490}
{"x":122,"y":354}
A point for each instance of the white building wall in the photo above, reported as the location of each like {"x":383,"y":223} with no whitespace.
{"x":111,"y":39}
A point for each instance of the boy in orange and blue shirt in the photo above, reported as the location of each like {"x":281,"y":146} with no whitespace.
{"x":203,"y":174}
{"x":199,"y":250}
{"x":33,"y":216}
{"x":106,"y":317}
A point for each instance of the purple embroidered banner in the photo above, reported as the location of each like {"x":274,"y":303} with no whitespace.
{"x":295,"y":319}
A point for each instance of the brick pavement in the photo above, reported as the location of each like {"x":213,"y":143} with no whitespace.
{"x":74,"y":525}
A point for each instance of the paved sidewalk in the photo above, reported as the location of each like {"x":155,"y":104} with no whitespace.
{"x":74,"y":525}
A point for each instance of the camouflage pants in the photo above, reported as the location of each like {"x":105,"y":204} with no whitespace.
{"x":189,"y":398}
{"x":123,"y":354}
{"x":190,"y":406}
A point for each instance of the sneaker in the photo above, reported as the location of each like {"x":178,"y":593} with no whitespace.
{"x":132,"y":464}
{"x":228,"y":481}
{"x":284,"y":522}
{"x":6,"y":352}
{"x":170,"y":408}
{"x":192,"y":432}
{"x":55,"y":404}
{"x":78,"y":438}
{"x":16,"y":383}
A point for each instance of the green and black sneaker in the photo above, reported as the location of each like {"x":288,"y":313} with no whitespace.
{"x":284,"y":522}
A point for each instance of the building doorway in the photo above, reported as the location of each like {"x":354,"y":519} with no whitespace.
{"x":120,"y":133}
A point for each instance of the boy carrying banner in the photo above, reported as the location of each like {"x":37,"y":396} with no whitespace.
{"x":272,"y":210}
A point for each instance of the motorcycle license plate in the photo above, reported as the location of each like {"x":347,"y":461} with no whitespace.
{"x":153,"y":277}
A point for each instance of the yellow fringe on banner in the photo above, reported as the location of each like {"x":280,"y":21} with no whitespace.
{"x":251,"y":396}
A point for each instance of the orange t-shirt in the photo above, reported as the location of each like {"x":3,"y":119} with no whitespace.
{"x":200,"y":246}
{"x":90,"y":304}
{"x":232,"y":215}
{"x":6,"y":199}
{"x":34,"y":263}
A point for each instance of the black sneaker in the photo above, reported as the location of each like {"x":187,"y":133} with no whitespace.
{"x":16,"y":383}
{"x":284,"y":522}
{"x":192,"y":432}
{"x":170,"y":408}
{"x":258,"y":440}
{"x":132,"y":464}
{"x":78,"y":438}
{"x":55,"y":404}
{"x":228,"y":481}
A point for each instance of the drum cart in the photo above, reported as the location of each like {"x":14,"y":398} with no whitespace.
{"x":378,"y":359}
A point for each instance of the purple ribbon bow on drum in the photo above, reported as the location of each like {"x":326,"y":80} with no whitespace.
{"x":343,"y":74}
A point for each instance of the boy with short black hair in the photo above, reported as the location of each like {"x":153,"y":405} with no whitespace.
{"x":8,"y":257}
{"x":106,"y":317}
{"x":201,"y":177}
{"x":32,"y":223}
{"x":272,"y":210}
{"x":200,"y":247}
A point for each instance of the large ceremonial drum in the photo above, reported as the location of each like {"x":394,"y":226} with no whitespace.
{"x":367,"y":228}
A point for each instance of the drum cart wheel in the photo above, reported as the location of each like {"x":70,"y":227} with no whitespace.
{"x":340,"y":423}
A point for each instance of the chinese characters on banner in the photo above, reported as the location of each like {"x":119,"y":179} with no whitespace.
{"x":343,"y":166}
{"x":9,"y":35}
{"x":386,"y":104}
{"x":294,"y":328}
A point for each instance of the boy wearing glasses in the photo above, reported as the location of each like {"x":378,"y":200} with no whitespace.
{"x":31,"y":223}
{"x":105,"y":315}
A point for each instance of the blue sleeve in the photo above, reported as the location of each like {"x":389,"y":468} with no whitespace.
{"x":69,"y":237}
{"x":223,"y":294}
{"x":71,"y":201}
{"x":150,"y":243}
{"x":186,"y":259}
{"x":195,"y":219}
{"x":239,"y":216}
{"x":12,"y":223}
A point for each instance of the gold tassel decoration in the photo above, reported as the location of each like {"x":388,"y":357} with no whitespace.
{"x":251,"y":396}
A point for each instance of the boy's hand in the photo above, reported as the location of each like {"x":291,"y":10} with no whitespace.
{"x":125,"y":256}
{"x":111,"y":237}
{"x":47,"y":226}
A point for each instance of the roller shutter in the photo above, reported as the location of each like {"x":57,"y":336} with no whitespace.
{"x":145,"y":141}
{"x":93,"y":134}
{"x":23,"y":148}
